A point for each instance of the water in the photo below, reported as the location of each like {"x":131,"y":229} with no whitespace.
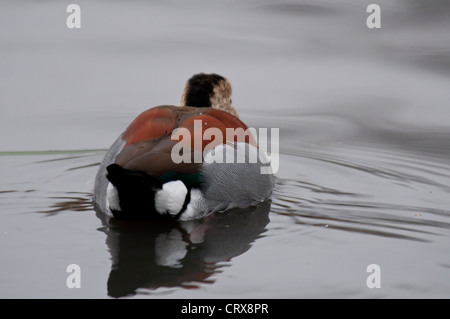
{"x":364,"y":147}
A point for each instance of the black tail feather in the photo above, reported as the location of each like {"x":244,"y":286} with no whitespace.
{"x":136,"y":193}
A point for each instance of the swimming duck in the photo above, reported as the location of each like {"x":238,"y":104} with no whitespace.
{"x":184,"y":162}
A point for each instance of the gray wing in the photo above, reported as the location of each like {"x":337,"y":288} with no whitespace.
{"x":236,"y":180}
{"x":101,"y":183}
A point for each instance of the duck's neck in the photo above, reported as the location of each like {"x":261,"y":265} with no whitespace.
{"x":216,"y":103}
{"x":227,"y":107}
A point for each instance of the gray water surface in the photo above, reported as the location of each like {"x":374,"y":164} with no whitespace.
{"x":364,"y":120}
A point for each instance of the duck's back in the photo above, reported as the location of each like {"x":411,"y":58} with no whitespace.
{"x":152,"y":139}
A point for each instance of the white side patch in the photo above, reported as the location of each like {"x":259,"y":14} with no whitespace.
{"x":171,"y":198}
{"x":112,"y":197}
{"x":196,"y":208}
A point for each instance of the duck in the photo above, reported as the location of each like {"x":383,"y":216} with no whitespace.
{"x":184,"y":162}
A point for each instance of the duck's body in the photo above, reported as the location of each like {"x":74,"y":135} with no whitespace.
{"x":165,"y":165}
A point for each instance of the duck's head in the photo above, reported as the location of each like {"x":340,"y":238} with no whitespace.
{"x":208,"y":90}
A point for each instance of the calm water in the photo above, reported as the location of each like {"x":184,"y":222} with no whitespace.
{"x":364,"y":119}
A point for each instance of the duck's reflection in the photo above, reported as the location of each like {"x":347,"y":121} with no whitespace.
{"x":178,"y":254}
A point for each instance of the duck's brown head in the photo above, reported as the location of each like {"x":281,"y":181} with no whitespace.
{"x":208,"y":90}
